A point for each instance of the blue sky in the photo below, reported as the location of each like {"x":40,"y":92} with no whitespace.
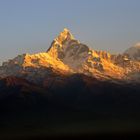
{"x":31,"y":25}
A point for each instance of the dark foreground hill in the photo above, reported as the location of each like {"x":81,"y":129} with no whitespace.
{"x":73,"y":105}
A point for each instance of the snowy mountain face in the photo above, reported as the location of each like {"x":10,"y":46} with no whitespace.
{"x":67,"y":56}
{"x":134,"y":52}
{"x":69,"y":50}
{"x":80,"y":58}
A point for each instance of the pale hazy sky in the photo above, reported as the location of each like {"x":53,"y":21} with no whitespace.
{"x":30,"y":25}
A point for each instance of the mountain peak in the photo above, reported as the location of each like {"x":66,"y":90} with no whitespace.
{"x":66,"y":30}
{"x":137,"y":45}
{"x":134,"y":52}
{"x":60,"y":43}
{"x":64,"y":35}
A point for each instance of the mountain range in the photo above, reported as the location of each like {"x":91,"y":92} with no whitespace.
{"x":67,"y":55}
{"x":68,"y":84}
